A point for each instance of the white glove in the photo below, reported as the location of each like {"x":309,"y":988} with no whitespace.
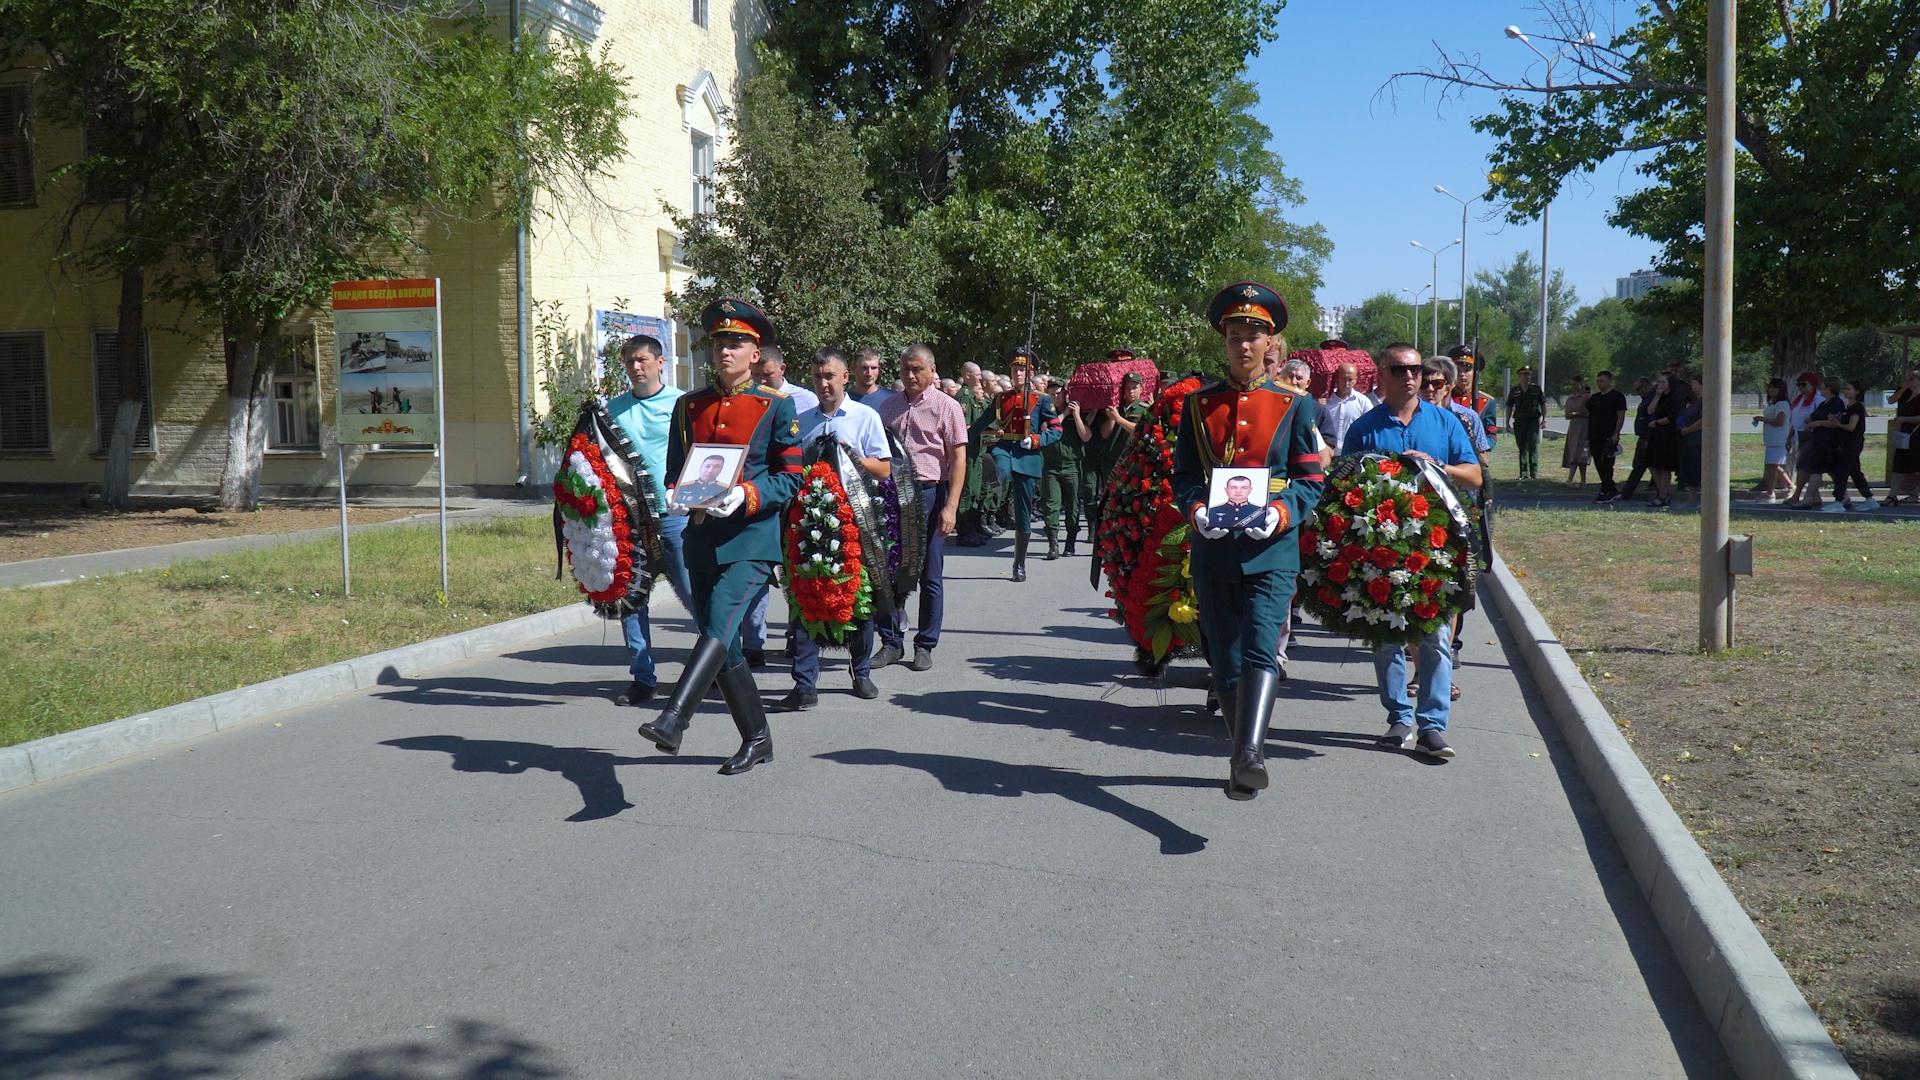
{"x":674,"y":508}
{"x":734,"y":499}
{"x":1267,"y":524}
{"x":1026,"y":442}
{"x":1200,"y":526}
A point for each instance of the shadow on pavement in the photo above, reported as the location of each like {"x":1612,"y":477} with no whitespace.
{"x":613,"y":657}
{"x":589,"y":770}
{"x":171,"y":1024}
{"x":980,"y":776}
{"x":475,"y":691}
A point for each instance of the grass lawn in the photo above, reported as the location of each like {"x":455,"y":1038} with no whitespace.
{"x":79,"y":654}
{"x":1795,"y":758}
{"x":1749,"y":458}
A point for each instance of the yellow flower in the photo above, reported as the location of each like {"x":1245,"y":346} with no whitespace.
{"x":1181,"y":611}
{"x":1186,"y":568}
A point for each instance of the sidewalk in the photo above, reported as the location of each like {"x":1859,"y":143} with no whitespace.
{"x":64,"y":568}
{"x":1018,"y":864}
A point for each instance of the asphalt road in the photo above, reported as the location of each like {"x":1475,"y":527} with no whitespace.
{"x":1018,"y":864}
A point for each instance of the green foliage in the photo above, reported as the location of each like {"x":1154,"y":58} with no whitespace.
{"x":1514,"y":290}
{"x":795,"y":230}
{"x":1868,"y":358}
{"x":1635,"y":338}
{"x":1828,"y":202}
{"x":566,"y":370}
{"x":1094,"y":170}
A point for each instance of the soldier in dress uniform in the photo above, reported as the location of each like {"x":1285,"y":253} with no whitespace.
{"x":1244,"y":578}
{"x":732,"y":546}
{"x":1018,"y":426}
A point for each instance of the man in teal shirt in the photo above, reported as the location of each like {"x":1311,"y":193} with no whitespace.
{"x":645,"y":413}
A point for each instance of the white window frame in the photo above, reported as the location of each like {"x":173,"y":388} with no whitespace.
{"x":45,"y":395}
{"x":700,"y":13}
{"x":284,"y":391}
{"x":103,"y":409}
{"x":702,"y":149}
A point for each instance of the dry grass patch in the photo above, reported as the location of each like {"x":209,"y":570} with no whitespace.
{"x":1795,"y":758}
{"x":44,"y":531}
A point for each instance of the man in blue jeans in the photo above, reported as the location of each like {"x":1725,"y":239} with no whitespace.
{"x":1404,"y":424}
{"x":644,"y":412}
{"x":932,"y":428}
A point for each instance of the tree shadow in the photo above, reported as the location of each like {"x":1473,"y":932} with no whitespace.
{"x":980,"y":776}
{"x":613,"y":655}
{"x":481,"y":692}
{"x":1896,"y":1009}
{"x":172,"y":1024}
{"x":165,"y":1024}
{"x":589,"y":770}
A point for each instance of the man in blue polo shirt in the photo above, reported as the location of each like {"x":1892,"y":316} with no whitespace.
{"x":643,"y":413}
{"x":1404,"y":424}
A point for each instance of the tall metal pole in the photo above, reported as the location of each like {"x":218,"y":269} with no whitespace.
{"x":1716,"y":592}
{"x":1434,"y":302}
{"x":1463,"y":271}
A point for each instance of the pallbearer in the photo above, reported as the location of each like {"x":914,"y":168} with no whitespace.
{"x":1244,"y":577}
{"x":733,"y":546}
{"x":1019,"y":424}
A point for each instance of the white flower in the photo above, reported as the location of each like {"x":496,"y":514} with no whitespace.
{"x":1328,"y":549}
{"x":1451,"y":586}
{"x":813,"y":533}
{"x":817,"y":558}
{"x":1353,"y":613}
{"x":1443,"y":559}
{"x":1350,"y":594}
{"x":1401,"y":600}
{"x":1400,"y":577}
{"x":1310,"y":576}
{"x":832,"y":545}
{"x":1397,"y":621}
{"x":1368,"y":572}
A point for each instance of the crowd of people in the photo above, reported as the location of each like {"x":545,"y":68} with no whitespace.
{"x":1004,"y":451}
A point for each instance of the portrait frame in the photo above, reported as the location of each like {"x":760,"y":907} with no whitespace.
{"x":1223,"y":511}
{"x":700,"y":485}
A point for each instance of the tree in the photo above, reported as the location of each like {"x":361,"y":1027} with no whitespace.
{"x":1095,"y":172}
{"x":1868,"y":358}
{"x":1378,"y":321}
{"x":1636,"y":338}
{"x":299,"y":142}
{"x":794,"y":228}
{"x":1514,"y":289}
{"x":1828,"y":204}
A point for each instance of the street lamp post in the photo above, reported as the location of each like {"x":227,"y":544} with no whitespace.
{"x":1414,"y":308}
{"x":1435,"y":252}
{"x":1586,"y":39}
{"x":1464,"y":203}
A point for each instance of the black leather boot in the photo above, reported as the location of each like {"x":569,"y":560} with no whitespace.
{"x":1073,"y":534}
{"x":749,"y":716}
{"x":1053,"y":543}
{"x":1020,"y":557}
{"x":705,"y":662}
{"x":1226,"y":700}
{"x":1253,"y":711}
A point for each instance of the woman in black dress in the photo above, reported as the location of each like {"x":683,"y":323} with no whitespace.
{"x":1905,"y":470}
{"x":1663,"y":435}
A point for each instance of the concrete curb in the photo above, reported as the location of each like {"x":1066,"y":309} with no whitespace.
{"x":70,"y":752}
{"x":1764,"y":1023}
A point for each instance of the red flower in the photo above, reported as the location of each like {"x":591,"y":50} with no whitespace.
{"x":1390,"y":468}
{"x":1336,"y":527}
{"x":1380,"y":589}
{"x":1328,"y":597}
{"x":1418,"y":506}
{"x":1308,"y":538}
{"x":1383,"y":557}
{"x":1385,"y":513}
{"x":1417,"y":561}
{"x":1355,"y":500}
{"x":1426,"y":609}
{"x":1353,"y":553}
{"x":1437,"y":538}
{"x":1431,"y":585}
{"x":1339,"y":572}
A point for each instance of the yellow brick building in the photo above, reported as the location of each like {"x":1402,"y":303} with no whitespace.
{"x":683,"y":59}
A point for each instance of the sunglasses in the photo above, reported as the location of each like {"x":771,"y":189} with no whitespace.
{"x":1435,"y":384}
{"x":1404,"y":369}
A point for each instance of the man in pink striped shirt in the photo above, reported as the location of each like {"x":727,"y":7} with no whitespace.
{"x":933,"y":431}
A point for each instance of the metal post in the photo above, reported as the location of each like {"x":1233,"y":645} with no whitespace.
{"x":346,"y":565}
{"x":1433,"y":303}
{"x":440,"y":421}
{"x":1541,"y":366}
{"x":1716,"y":592}
{"x":1463,"y":272}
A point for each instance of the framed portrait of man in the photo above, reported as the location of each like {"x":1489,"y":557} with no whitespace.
{"x":710,"y":471}
{"x":1236,"y":497}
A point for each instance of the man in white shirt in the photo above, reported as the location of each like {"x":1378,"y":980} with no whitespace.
{"x":1342,"y":407}
{"x":860,"y":432}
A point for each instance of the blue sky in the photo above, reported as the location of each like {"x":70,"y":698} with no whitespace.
{"x":1369,"y":162}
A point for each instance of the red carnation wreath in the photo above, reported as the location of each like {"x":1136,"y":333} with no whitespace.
{"x":1142,"y":540}
{"x":599,"y":540}
{"x":828,"y":591}
{"x":1384,"y":558}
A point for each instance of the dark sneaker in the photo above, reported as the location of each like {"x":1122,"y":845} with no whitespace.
{"x":865,"y":690}
{"x":1434,"y":745}
{"x":1398,"y":737}
{"x":888,"y":654}
{"x":1282,"y":672}
{"x":636,"y":693}
{"x":756,"y":658}
{"x":922,"y":658}
{"x":797,"y":700}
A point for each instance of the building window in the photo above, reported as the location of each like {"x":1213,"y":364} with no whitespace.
{"x":24,"y":414}
{"x":702,"y":173}
{"x":296,"y":393}
{"x":16,"y":144}
{"x":700,"y":13}
{"x":102,"y":136}
{"x":106,"y":392}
